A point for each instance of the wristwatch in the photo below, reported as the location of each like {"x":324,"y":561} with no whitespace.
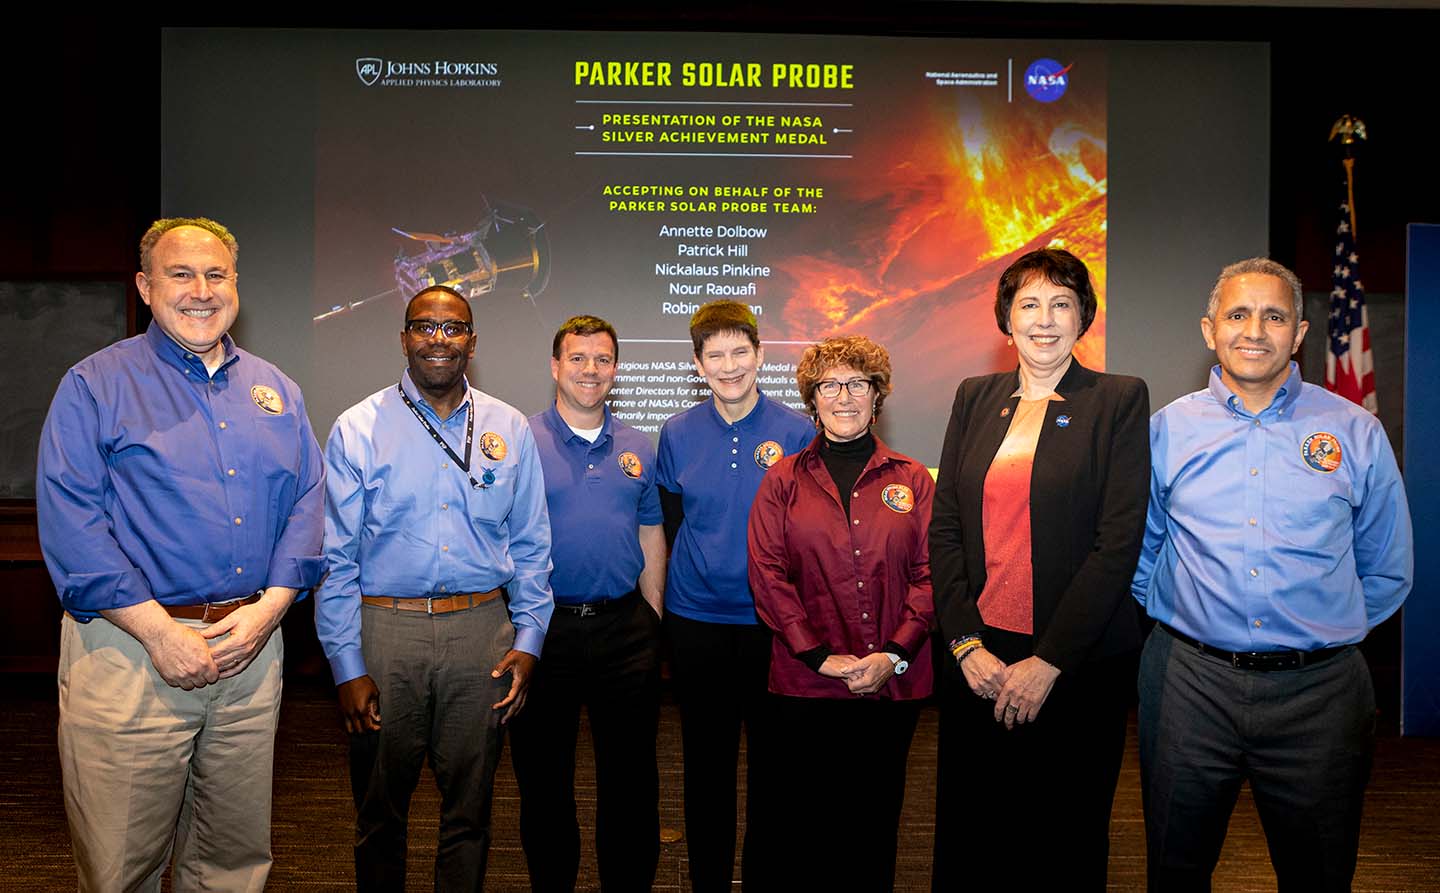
{"x":901,"y":665}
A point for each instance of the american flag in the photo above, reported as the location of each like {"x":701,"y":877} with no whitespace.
{"x":1349,"y":366}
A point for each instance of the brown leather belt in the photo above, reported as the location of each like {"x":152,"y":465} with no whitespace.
{"x":461,"y":601}
{"x":210,"y":612}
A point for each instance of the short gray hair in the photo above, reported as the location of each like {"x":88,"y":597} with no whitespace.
{"x":165,"y":224}
{"x":1264,"y":266}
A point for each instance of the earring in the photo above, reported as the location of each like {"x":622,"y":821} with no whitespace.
{"x":1009,"y":342}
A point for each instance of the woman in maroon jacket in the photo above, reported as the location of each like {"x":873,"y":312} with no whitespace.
{"x":840,"y":570}
{"x":1039,"y":513}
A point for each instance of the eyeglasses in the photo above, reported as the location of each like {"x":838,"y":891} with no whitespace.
{"x":453,"y":329}
{"x":830,"y":388}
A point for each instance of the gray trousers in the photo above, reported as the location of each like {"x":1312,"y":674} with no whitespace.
{"x":1304,"y":739}
{"x":433,"y":672}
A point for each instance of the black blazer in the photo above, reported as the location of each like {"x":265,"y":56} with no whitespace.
{"x":1088,"y":495}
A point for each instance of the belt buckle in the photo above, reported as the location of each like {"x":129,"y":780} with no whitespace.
{"x":588,"y":610}
{"x":430,"y":605}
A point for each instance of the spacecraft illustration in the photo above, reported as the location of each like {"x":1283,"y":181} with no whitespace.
{"x":508,"y":251}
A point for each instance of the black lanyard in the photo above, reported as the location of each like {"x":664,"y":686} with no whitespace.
{"x":489,"y":476}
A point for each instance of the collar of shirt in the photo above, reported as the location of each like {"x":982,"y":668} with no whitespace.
{"x":172,"y":353}
{"x":1284,"y":398}
{"x":567,"y":434}
{"x":753,"y":419}
{"x":414,"y":394}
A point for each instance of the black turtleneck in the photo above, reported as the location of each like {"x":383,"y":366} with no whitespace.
{"x":845,"y":460}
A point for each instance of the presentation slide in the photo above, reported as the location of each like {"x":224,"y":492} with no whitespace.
{"x":835,"y":184}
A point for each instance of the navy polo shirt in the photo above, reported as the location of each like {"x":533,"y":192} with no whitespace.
{"x":716,"y":467}
{"x":598,"y":495}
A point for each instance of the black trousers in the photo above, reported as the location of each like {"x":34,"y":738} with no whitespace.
{"x":607,"y":663}
{"x":840,"y":785}
{"x":720,"y":672}
{"x":1030,"y":806}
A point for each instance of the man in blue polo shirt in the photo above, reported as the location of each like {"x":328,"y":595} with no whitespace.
{"x":602,"y":649}
{"x":711,"y":459}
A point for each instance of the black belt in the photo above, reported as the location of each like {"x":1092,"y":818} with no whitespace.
{"x":599,"y":606}
{"x":1260,"y":660}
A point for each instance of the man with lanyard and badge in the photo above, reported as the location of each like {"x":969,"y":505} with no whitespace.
{"x":179,"y":497}
{"x":1278,"y":535}
{"x":710,"y":462}
{"x":602,"y":650}
{"x":435,"y":502}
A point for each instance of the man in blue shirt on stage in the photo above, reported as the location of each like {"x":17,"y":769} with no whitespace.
{"x":179,"y":496}
{"x":711,"y":459}
{"x":434,"y":611}
{"x":602,"y":649}
{"x":1278,"y":536}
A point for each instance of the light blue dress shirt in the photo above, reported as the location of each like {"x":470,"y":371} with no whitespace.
{"x":158,"y":480}
{"x":1257,"y":538}
{"x":402,"y":519}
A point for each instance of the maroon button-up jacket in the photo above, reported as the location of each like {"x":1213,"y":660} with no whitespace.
{"x":850,"y":582}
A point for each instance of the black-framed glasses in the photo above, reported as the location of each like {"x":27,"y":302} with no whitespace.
{"x":453,"y":329}
{"x":829,"y":388}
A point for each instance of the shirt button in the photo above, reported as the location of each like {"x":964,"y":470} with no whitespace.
{"x":444,"y":548}
{"x":860,"y":585}
{"x":857,"y":551}
{"x":239,"y":570}
{"x":870,"y":646}
{"x":444,"y":506}
{"x":1254,"y":572}
{"x":733,"y":465}
{"x":1252,"y":522}
{"x":223,"y":426}
{"x":442,"y":588}
{"x":591,"y":466}
{"x":230,"y":471}
{"x":854,"y":495}
{"x":733,"y":452}
{"x":444,"y":464}
{"x":238,"y":521}
{"x":1257,"y":624}
{"x":856,"y":522}
{"x":864,"y":616}
{"x":734,"y":440}
{"x":1257,"y":423}
{"x":1254,"y":471}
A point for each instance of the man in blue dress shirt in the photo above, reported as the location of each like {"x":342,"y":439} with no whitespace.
{"x":1278,"y":536}
{"x":602,"y":649}
{"x":711,"y":459}
{"x":180,"y":497}
{"x":435,"y":503}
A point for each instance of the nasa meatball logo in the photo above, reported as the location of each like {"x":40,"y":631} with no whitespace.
{"x":630,"y":464}
{"x":267,"y":399}
{"x":898,"y":498}
{"x":493,"y":446}
{"x":1046,"y":80}
{"x":1321,"y":452}
{"x":768,"y":453}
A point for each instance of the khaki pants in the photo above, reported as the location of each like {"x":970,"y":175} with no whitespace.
{"x":150,"y":770}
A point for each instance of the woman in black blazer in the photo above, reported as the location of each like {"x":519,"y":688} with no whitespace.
{"x":1038,"y":516}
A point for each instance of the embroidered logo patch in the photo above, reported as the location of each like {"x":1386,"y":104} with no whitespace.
{"x":1321,"y":452}
{"x":493,"y":446}
{"x":898,"y":498}
{"x":267,"y":399}
{"x":630,"y":464}
{"x":768,"y":453}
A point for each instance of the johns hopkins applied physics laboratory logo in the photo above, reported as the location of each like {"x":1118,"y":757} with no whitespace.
{"x":373,"y":70}
{"x":1046,"y":79}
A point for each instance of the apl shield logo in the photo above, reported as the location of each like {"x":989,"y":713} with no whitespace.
{"x":368,"y":69}
{"x":1046,"y":79}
